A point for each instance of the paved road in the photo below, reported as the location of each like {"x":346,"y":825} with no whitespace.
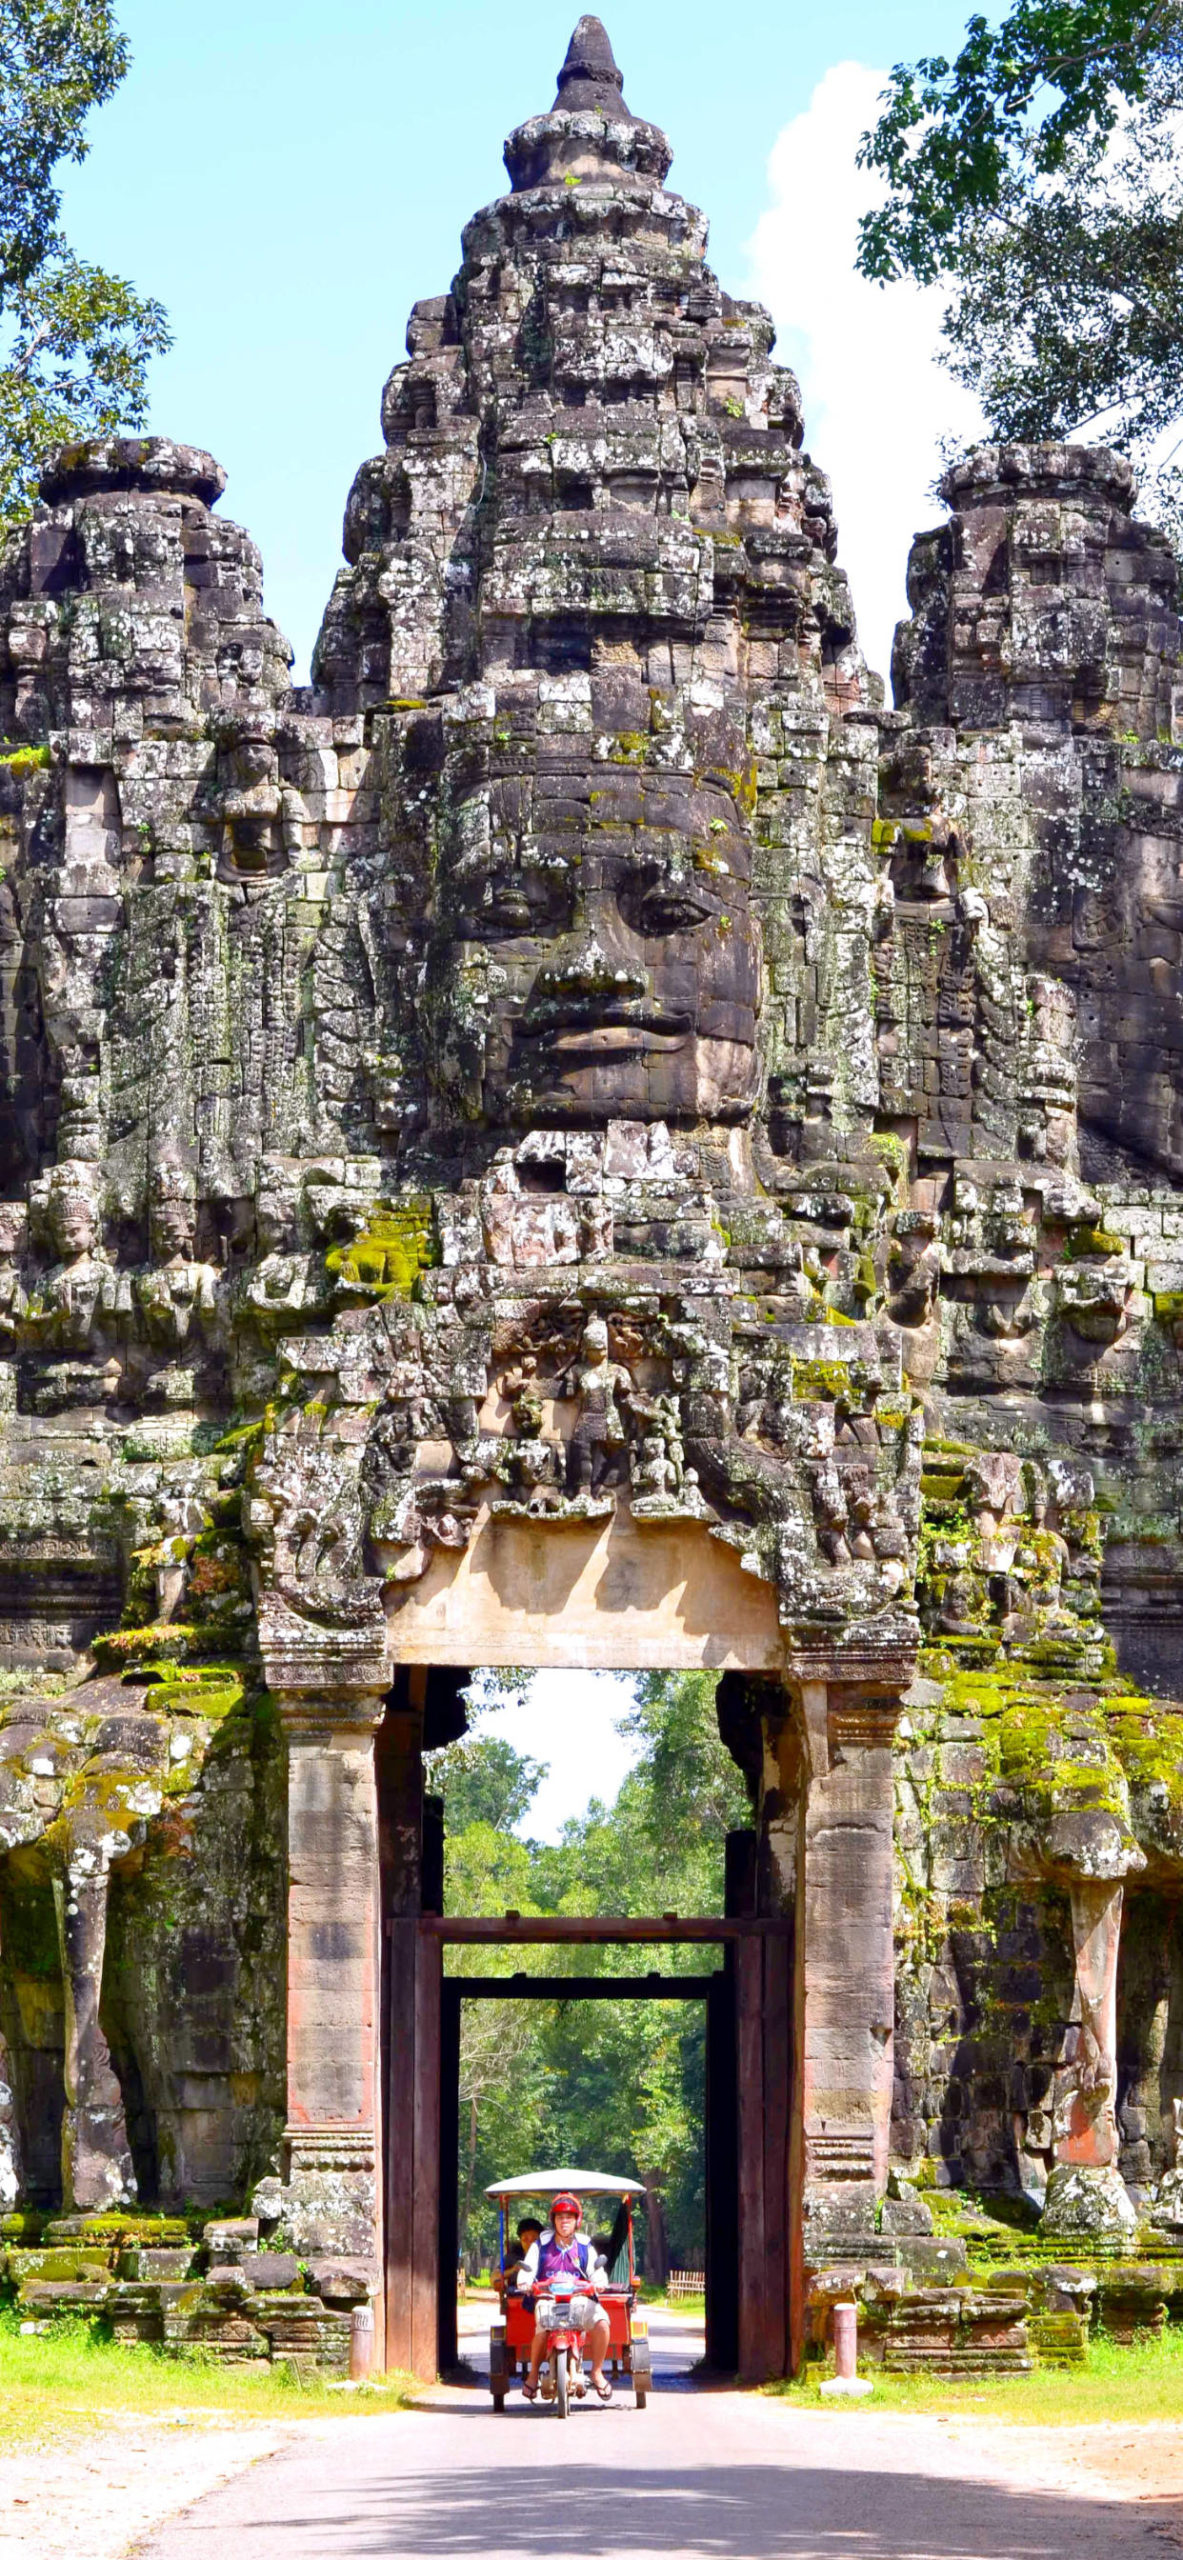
{"x":708,"y":2475}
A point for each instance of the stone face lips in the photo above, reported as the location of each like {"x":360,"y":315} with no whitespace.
{"x":580,"y":1130}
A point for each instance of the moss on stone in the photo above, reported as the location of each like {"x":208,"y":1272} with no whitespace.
{"x":395,"y":1245}
{"x":1093,"y":1244}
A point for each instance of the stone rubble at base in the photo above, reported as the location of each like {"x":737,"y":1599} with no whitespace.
{"x":582,"y":1121}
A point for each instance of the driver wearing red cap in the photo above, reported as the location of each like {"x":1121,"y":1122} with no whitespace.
{"x":563,"y":2252}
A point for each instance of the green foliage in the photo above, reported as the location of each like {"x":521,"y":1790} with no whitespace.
{"x":608,"y":2084}
{"x":1037,"y":175}
{"x":1056,"y":72}
{"x":483,"y":1780}
{"x":75,"y":342}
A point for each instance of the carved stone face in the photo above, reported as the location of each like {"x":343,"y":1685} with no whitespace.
{"x":71,"y":1221}
{"x":594,"y":954}
{"x":173,"y":1226}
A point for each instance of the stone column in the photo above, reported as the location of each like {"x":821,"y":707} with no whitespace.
{"x":97,"y":2168}
{"x":330,"y":2199}
{"x":845,"y":1974}
{"x":10,"y":2143}
{"x":1085,"y":2191}
{"x":1089,"y":2134}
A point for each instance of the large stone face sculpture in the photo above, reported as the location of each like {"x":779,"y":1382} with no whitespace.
{"x":579,"y":1135}
{"x":595,"y":956}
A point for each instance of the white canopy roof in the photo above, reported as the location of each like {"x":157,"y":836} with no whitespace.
{"x":555,"y":2182}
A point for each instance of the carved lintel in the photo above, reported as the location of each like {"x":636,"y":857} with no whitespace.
{"x":566,"y":1511}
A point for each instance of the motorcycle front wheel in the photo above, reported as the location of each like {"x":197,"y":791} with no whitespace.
{"x":562,"y":2399}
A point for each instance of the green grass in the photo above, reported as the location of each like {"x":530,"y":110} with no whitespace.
{"x":1138,"y":2383}
{"x":69,"y":2379}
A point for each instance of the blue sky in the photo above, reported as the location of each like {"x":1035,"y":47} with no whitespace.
{"x":289,"y":178}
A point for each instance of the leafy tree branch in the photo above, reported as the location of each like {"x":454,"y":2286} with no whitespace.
{"x":75,"y":341}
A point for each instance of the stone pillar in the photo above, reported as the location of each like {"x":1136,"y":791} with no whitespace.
{"x":334,"y":1970}
{"x":845,"y":1974}
{"x":328,"y":2203}
{"x":1089,"y":2132}
{"x":97,"y":2168}
{"x":1086,"y":2195}
{"x":10,"y":2144}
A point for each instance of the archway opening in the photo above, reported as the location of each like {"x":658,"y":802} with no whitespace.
{"x":611,"y":1995}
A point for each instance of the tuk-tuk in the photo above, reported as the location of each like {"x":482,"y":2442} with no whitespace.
{"x":628,"y":2330}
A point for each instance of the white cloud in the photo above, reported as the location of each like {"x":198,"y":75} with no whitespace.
{"x":876,"y":401}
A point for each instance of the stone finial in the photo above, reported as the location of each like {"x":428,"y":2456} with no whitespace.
{"x":589,"y":77}
{"x":152,"y":465}
{"x":589,"y":132}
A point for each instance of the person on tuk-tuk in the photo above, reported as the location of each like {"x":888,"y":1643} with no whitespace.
{"x":562,"y":2252}
{"x":529,"y":2230}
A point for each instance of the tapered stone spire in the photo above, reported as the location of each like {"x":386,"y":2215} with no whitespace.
{"x":590,"y":78}
{"x":589,"y":130}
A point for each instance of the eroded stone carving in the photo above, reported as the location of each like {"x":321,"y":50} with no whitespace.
{"x":581,"y":1089}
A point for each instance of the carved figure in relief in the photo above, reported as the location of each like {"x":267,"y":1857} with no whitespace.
{"x":663,"y":1486}
{"x":285,"y":1287}
{"x":626,"y":977}
{"x":176,"y":1296}
{"x":914,"y":1270}
{"x":75,"y":1303}
{"x":14,"y":1220}
{"x":532,"y":1464}
{"x":601,"y":1387}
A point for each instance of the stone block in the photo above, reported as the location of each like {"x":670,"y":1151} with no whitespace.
{"x":139,"y":2263}
{"x":229,"y":2242}
{"x":272,"y":2270}
{"x":341,"y":2282}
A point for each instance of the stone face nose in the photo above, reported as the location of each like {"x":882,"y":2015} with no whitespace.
{"x":590,"y":69}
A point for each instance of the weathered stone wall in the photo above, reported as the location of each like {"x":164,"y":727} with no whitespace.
{"x":581,"y":1135}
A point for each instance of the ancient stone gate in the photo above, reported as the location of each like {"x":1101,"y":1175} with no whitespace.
{"x":581,"y":1137}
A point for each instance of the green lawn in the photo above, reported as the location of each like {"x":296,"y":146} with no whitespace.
{"x":69,"y":2378}
{"x":1136,"y":2383}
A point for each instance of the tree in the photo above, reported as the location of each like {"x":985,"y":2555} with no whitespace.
{"x":1037,"y":177}
{"x":483,"y":1779}
{"x":75,"y":342}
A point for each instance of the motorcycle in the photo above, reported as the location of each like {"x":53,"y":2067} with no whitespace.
{"x":563,"y":2361}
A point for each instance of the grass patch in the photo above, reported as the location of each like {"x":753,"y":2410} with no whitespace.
{"x":72,"y":2378}
{"x":1142,"y":2383}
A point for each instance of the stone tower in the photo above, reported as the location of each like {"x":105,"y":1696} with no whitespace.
{"x":580,"y":1137}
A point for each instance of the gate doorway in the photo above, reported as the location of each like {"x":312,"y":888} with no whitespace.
{"x":748,"y":2006}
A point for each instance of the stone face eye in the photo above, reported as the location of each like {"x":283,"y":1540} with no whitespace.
{"x":668,"y":908}
{"x":508,"y":912}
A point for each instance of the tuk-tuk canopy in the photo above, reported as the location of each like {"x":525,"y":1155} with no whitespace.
{"x":556,"y":2182}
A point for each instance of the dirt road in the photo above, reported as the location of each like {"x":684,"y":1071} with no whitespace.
{"x":709,"y":2475}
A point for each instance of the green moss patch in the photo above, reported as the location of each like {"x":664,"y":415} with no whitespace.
{"x":395,"y":1245}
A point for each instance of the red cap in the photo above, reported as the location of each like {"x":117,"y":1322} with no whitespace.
{"x":566,"y":2204}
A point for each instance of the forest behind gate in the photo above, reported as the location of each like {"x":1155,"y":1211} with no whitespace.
{"x":605,"y":2084}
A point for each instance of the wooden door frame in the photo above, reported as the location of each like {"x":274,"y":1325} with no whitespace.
{"x":752,"y":2017}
